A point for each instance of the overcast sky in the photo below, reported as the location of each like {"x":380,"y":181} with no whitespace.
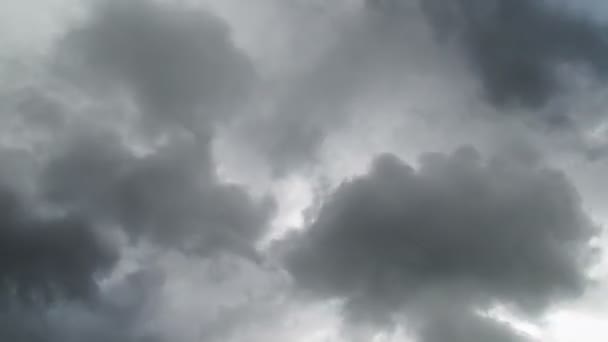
{"x":303,"y":170}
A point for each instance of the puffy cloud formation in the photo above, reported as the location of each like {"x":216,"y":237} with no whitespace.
{"x":181,"y":66}
{"x":462,"y":326}
{"x":515,"y":56}
{"x":112,"y":316}
{"x":504,"y":230}
{"x":175,"y":65}
{"x":154,"y":152}
{"x":370,"y":52}
{"x":87,"y":185}
{"x":45,"y":257}
{"x":517,"y":47}
{"x":171,"y":196}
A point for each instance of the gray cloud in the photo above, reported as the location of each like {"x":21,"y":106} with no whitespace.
{"x":371,"y":53}
{"x":113,"y":316}
{"x":517,"y":46}
{"x":516,"y":56}
{"x":182,"y":74}
{"x":462,"y":326}
{"x":505,"y":229}
{"x":48,"y":258}
{"x":435,"y":243}
{"x":366,"y":53}
{"x":179,"y":64}
{"x":171,"y":196}
{"x":185,"y":76}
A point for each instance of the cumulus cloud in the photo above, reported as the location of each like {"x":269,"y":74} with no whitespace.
{"x":180,"y":65}
{"x":120,"y":219}
{"x":172,"y":196}
{"x":364,"y":52}
{"x":516,"y":47}
{"x":179,"y":71}
{"x":48,"y":258}
{"x":508,"y":57}
{"x":114,"y":315}
{"x":182,"y":74}
{"x":463,"y":326}
{"x":502,"y":230}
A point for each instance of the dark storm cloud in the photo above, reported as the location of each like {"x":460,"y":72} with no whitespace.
{"x":365,"y":54}
{"x":34,"y":107}
{"x":47,"y":258}
{"x":516,"y":46}
{"x":182,"y":74}
{"x":462,"y":326}
{"x":171,"y":196}
{"x":467,"y":231}
{"x":185,"y":76}
{"x":113,"y":317}
{"x":506,"y":229}
{"x":519,"y":53}
{"x":171,"y":202}
{"x":179,"y":64}
{"x":34,"y":326}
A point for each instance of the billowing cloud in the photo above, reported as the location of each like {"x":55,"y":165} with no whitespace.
{"x":180,"y":65}
{"x":517,"y":47}
{"x":516,"y":57}
{"x":114,"y":315}
{"x":122,"y":219}
{"x":171,"y":196}
{"x":475,"y":231}
{"x":184,"y":75}
{"x":365,"y":53}
{"x":181,"y":74}
{"x":462,"y":326}
{"x":48,"y":257}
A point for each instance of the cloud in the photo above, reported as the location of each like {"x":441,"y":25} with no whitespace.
{"x":180,"y":73}
{"x":471,"y":231}
{"x":179,"y":64}
{"x":183,"y":76}
{"x":462,"y":326}
{"x":171,"y":196}
{"x":48,"y":258}
{"x":118,"y":223}
{"x":358,"y":54}
{"x":522,"y":58}
{"x":114,"y":315}
{"x":516,"y":47}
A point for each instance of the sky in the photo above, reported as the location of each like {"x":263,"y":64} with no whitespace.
{"x":303,"y":170}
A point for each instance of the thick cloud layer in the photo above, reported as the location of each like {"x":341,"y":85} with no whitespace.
{"x":185,"y":75}
{"x":504,"y":230}
{"x":48,"y":258}
{"x":181,"y":74}
{"x":118,"y":222}
{"x":180,"y":65}
{"x":517,"y":46}
{"x":170,"y":196}
{"x":369,"y":53}
{"x":465,"y":327}
{"x":508,"y":56}
{"x":114,"y":316}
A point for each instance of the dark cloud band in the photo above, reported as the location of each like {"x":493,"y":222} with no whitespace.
{"x":502,"y":230}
